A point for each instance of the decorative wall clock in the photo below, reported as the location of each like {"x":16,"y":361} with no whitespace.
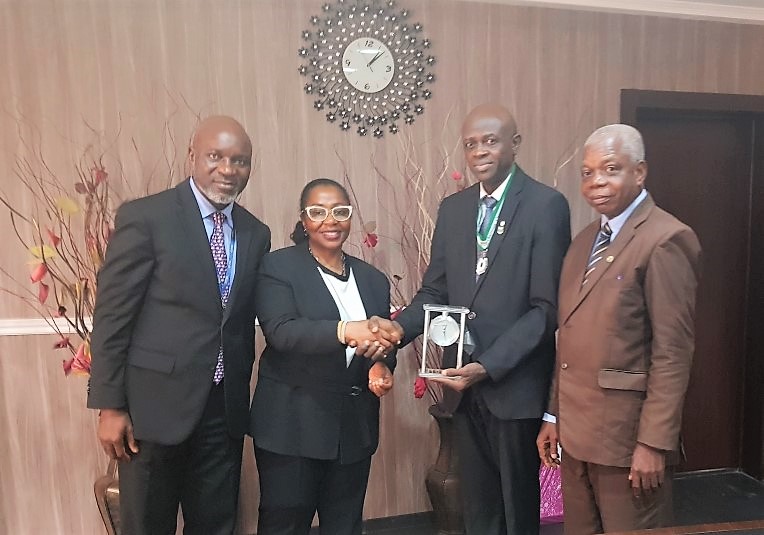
{"x":367,"y":65}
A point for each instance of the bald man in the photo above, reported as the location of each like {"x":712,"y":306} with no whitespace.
{"x":173,"y":341}
{"x":497,"y":250}
{"x":626,"y":340}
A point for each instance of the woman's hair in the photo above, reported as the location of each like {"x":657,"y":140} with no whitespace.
{"x":298,"y":234}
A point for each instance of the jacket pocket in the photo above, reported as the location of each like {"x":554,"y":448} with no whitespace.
{"x":622,"y":379}
{"x":151,"y":360}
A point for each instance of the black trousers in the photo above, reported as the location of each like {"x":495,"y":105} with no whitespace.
{"x":293,"y":489}
{"x":499,"y":470}
{"x":201,"y":475}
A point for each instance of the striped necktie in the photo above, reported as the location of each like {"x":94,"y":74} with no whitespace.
{"x":598,"y":251}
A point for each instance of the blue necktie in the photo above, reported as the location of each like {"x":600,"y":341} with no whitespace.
{"x":490,"y":204}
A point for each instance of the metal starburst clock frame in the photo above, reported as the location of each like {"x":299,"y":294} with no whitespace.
{"x":367,"y":66}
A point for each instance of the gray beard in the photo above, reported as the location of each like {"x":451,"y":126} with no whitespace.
{"x":218,"y":198}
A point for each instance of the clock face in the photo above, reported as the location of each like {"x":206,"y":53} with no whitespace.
{"x":368,"y":65}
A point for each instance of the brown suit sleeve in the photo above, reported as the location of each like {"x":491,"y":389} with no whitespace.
{"x":670,"y":287}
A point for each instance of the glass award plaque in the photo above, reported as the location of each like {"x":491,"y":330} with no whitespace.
{"x":441,"y":328}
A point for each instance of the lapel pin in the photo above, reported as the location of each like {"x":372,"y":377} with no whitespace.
{"x":500,"y":230}
{"x":609,"y":259}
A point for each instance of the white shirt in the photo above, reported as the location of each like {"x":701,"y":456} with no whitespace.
{"x":348,"y":300}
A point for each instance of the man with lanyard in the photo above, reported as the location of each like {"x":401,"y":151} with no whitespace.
{"x":497,"y":250}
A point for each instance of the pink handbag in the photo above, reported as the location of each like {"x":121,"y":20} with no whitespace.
{"x":551,"y":495}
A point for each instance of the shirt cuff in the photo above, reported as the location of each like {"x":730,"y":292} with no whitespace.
{"x":551,"y":418}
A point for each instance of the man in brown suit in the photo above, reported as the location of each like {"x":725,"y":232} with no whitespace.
{"x":625,"y":345}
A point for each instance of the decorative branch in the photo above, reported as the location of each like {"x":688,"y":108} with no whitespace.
{"x":66,"y":232}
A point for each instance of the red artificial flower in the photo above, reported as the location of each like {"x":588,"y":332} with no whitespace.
{"x":54,"y":240}
{"x":371,"y":240}
{"x":39,"y":272}
{"x":457,"y":175}
{"x":80,"y":363}
{"x":100,"y":174}
{"x":42,"y":293}
{"x":420,"y":387}
{"x":62,"y":343}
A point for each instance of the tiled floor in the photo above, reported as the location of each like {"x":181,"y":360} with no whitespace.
{"x":699,"y":498}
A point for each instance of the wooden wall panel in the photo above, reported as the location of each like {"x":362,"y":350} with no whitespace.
{"x":139,"y":72}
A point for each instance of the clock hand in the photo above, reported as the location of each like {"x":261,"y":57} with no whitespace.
{"x":375,"y":58}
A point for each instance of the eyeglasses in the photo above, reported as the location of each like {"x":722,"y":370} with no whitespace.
{"x":320,"y":213}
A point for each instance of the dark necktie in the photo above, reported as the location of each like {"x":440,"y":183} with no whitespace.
{"x":217,"y":244}
{"x":489,"y":203}
{"x":598,"y":251}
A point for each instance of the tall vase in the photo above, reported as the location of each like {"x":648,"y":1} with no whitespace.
{"x":106,"y":490}
{"x":442,"y":480}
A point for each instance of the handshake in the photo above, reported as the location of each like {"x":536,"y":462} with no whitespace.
{"x":373,"y":338}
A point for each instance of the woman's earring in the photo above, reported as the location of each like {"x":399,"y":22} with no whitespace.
{"x":304,"y":230}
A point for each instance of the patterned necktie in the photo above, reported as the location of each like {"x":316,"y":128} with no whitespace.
{"x":598,"y":251}
{"x":489,"y":203}
{"x":217,"y":244}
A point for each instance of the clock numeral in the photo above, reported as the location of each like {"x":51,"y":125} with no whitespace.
{"x":369,"y":42}
{"x":347,"y":62}
{"x":388,"y":68}
{"x":367,"y":87}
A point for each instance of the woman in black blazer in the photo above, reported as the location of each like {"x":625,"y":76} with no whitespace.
{"x":315,"y":412}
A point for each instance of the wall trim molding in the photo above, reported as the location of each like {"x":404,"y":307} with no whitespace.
{"x":39,"y":326}
{"x":735,"y":11}
{"x":34,"y":326}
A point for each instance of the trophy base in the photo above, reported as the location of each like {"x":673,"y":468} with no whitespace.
{"x":435,"y":372}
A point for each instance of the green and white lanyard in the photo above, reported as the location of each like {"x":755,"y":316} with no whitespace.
{"x":484,"y":240}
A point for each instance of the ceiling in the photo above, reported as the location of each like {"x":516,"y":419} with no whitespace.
{"x":739,"y":11}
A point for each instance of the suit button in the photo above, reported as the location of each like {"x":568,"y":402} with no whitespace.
{"x":564,"y":365}
{"x":471,"y":316}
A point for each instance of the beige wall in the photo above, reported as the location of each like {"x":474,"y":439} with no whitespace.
{"x":138,"y":72}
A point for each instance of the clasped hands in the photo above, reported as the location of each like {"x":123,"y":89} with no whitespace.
{"x":373,"y":338}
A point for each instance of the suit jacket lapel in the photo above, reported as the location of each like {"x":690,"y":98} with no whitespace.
{"x":197,"y":238}
{"x":625,"y":235}
{"x":507,"y":214}
{"x":370,"y":302}
{"x":462,"y":242}
{"x":243,"y":235}
{"x":365,"y":289}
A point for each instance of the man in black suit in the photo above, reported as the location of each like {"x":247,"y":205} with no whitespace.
{"x":173,"y":341}
{"x":501,"y":258}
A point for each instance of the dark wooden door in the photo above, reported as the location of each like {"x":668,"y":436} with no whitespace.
{"x":701,"y":168}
